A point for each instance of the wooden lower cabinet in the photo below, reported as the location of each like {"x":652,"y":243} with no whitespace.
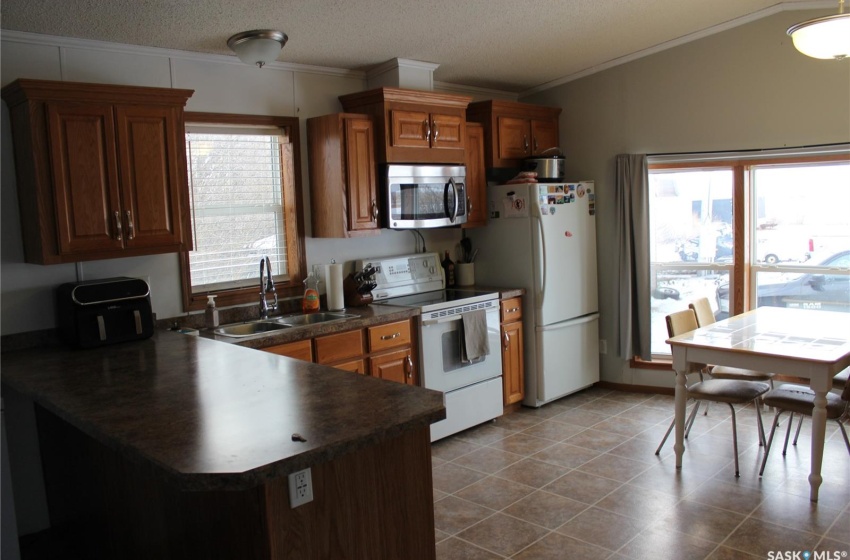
{"x":393,"y":366}
{"x":300,"y":350}
{"x":513,"y":374}
{"x":384,"y":351}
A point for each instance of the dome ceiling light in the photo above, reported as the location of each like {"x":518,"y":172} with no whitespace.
{"x":259,"y":46}
{"x":825,"y":37}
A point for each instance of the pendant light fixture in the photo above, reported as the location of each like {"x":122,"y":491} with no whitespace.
{"x":825,"y":37}
{"x":258,"y":46}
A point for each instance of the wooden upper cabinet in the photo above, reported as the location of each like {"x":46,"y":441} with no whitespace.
{"x":413,"y":126}
{"x":343,"y":182}
{"x":476,"y":177}
{"x":514,"y":131}
{"x":101,"y":170}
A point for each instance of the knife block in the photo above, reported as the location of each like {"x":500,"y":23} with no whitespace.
{"x":352,"y":297}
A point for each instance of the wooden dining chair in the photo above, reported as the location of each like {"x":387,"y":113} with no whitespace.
{"x":729,"y":391}
{"x":797,"y":399}
{"x":705,"y":317}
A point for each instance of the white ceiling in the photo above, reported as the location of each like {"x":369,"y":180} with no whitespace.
{"x":509,"y":45}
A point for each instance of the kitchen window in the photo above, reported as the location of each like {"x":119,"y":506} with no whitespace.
{"x":771,"y":229}
{"x":244,"y":193}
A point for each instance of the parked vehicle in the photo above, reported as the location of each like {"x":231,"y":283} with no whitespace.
{"x":828,"y":292}
{"x":689,"y":249}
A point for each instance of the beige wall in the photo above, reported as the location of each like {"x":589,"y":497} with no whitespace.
{"x":745,"y":88}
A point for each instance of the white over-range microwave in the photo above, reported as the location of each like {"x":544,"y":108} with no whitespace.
{"x":425,"y":196}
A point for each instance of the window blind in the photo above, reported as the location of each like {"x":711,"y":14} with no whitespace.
{"x":237,"y":209}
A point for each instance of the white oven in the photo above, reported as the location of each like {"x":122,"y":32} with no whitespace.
{"x":472,"y":388}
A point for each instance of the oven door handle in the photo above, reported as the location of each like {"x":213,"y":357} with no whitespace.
{"x":449,"y":319}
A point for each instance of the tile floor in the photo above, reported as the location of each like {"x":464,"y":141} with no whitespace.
{"x":579,"y":478}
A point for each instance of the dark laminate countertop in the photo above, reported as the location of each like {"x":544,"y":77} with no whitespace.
{"x":216,"y":416}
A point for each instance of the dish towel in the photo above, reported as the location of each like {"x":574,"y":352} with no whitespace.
{"x":475,"y":344}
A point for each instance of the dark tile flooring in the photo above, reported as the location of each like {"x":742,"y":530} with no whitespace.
{"x":578,"y":478}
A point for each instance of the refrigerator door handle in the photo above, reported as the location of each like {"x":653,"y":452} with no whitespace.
{"x":542,"y":292}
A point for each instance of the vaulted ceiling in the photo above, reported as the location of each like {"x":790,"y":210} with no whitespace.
{"x":509,"y":45}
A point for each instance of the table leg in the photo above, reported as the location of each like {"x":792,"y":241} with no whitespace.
{"x":818,"y":436}
{"x":679,"y":406}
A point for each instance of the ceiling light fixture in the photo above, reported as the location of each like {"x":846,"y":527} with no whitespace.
{"x":258,"y":46}
{"x":825,"y":37}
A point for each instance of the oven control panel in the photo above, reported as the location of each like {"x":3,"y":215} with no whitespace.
{"x":405,"y":274}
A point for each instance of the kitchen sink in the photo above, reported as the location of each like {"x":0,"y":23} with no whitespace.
{"x":250,"y":329}
{"x":312,"y":319}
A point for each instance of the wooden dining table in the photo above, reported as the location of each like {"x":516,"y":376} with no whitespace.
{"x":803,"y":343}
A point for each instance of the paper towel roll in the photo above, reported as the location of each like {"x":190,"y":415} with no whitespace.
{"x":333,"y":285}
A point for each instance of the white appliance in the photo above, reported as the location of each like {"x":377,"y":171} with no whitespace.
{"x":472,"y":388}
{"x":542,"y":237}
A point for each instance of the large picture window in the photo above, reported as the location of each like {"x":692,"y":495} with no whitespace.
{"x":244,"y":206}
{"x":745,"y":232}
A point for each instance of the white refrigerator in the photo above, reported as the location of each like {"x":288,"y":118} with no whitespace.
{"x":542,"y":237}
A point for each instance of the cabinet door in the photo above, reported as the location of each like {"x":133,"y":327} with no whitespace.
{"x":410,"y":129}
{"x":360,"y":175}
{"x":337,"y":347}
{"x":544,"y":135}
{"x":300,"y":350}
{"x":394,"y":366}
{"x":476,"y":179}
{"x":354,"y":366}
{"x":447,"y":131}
{"x":514,"y":138}
{"x":149,"y":153}
{"x":512,"y":363}
{"x":85,"y":177}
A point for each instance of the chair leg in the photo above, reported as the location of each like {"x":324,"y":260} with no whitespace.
{"x":688,"y":423}
{"x":691,"y":419}
{"x":769,"y":441}
{"x":734,"y":439}
{"x":788,"y":432}
{"x":844,"y":433}
{"x":797,"y":434}
{"x":760,"y":425}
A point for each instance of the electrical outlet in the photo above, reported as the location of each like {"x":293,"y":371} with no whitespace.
{"x":300,"y":488}
{"x":603,"y":346}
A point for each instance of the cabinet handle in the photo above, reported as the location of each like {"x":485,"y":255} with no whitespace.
{"x":131,"y":229}
{"x":525,"y":143}
{"x":436,"y":131}
{"x":536,"y":147}
{"x":118,"y":227}
{"x":506,"y":340}
{"x":427,"y":130}
{"x":391,"y":336}
{"x":408,"y":367}
{"x":468,"y":205}
{"x":512,"y":310}
{"x":374,"y":211}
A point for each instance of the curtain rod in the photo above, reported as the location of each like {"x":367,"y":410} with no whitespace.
{"x":815,"y":148}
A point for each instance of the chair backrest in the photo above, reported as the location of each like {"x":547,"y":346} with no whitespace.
{"x":702,"y":309}
{"x":681,"y":322}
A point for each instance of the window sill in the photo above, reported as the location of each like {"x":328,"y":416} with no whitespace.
{"x":658,"y":365}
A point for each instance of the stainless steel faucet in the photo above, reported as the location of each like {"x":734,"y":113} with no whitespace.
{"x":266,"y":286}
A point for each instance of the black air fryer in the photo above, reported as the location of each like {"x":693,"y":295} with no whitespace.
{"x":107,"y":311}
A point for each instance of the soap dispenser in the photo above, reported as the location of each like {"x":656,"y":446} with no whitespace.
{"x":311,"y":294}
{"x":211,"y":313}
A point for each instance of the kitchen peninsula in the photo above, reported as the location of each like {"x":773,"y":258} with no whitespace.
{"x":180,"y":447}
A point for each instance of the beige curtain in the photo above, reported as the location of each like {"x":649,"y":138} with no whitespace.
{"x":632,"y":196}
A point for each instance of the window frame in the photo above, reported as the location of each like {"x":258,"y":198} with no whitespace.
{"x":744,"y":265}
{"x":292,"y":200}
